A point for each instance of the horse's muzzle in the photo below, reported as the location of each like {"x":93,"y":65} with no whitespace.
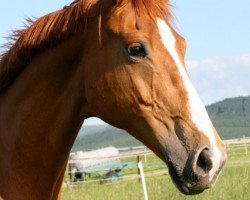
{"x":198,"y":174}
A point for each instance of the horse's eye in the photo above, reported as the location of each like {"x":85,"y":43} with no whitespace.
{"x":136,"y":49}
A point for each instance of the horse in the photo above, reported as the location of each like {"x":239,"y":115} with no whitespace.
{"x":119,"y":60}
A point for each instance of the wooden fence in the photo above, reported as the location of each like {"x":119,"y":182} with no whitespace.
{"x":141,"y":153}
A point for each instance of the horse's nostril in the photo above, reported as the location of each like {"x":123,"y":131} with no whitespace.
{"x":204,"y":163}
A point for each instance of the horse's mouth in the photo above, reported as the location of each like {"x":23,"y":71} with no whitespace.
{"x":187,"y":191}
{"x":196,"y":173}
{"x":186,"y":187}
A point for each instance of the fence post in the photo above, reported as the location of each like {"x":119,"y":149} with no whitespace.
{"x":244,"y":139}
{"x":71,"y":176}
{"x":145,"y":154}
{"x":143,"y":180}
{"x":138,"y":170}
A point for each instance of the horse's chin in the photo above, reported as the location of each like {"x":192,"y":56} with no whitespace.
{"x":185,"y":190}
{"x":184,"y":187}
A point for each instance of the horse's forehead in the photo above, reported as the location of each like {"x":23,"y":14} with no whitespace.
{"x":128,"y":21}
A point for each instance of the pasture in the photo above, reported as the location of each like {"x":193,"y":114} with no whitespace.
{"x":234,"y":182}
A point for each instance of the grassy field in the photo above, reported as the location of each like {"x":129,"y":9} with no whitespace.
{"x":234,"y":183}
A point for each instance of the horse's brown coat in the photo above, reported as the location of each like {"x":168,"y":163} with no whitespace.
{"x":72,"y":64}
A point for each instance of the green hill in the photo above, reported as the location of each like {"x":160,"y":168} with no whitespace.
{"x":231,"y":117}
{"x":109,"y":135}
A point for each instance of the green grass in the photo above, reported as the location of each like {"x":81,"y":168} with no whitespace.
{"x":234,"y":183}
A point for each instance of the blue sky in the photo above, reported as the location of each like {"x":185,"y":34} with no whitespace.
{"x":217,"y":35}
{"x":214,"y":28}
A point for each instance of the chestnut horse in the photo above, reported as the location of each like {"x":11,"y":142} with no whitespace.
{"x":119,"y":60}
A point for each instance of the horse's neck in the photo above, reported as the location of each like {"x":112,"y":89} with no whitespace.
{"x":40,"y":115}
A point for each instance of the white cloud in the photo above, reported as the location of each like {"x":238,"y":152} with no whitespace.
{"x":244,"y":60}
{"x":219,"y":78}
{"x":93,"y":121}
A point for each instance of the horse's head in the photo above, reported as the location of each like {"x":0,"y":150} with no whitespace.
{"x":136,"y":80}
